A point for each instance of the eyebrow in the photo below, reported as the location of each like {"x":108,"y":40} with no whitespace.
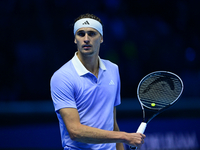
{"x":87,"y":31}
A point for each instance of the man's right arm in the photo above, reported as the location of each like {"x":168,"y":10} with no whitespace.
{"x":87,"y":134}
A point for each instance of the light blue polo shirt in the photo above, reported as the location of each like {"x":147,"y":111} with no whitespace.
{"x":73,"y":86}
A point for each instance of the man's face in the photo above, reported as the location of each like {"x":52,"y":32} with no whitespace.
{"x":88,"y":41}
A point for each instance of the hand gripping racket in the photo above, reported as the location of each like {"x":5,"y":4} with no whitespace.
{"x":156,"y":92}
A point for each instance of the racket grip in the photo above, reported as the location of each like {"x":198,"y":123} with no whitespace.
{"x":140,"y":129}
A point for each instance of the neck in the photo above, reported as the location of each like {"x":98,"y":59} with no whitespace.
{"x":91,"y":63}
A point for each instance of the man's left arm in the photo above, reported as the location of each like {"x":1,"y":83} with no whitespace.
{"x":119,"y":146}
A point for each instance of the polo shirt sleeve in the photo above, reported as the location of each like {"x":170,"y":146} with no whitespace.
{"x":62,"y":92}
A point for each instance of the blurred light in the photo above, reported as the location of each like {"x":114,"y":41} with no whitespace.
{"x":112,"y":3}
{"x":190,"y":54}
{"x":170,"y":141}
{"x":130,"y":50}
{"x":162,"y":27}
{"x":118,"y":29}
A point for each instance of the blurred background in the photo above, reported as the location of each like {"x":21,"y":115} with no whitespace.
{"x":140,"y":36}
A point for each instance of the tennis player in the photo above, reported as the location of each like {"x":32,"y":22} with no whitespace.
{"x":85,"y":92}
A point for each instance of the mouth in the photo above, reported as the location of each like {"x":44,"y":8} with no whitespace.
{"x":86,"y":46}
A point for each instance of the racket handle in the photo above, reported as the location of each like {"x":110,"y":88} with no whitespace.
{"x":140,"y":129}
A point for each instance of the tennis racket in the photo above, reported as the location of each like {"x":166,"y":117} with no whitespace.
{"x":157,"y":92}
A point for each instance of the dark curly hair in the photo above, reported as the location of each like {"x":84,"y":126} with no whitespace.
{"x":87,"y":15}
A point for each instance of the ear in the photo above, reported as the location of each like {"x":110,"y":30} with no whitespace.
{"x":101,"y":39}
{"x":75,"y":41}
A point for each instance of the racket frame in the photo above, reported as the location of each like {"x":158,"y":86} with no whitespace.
{"x":143,"y":125}
{"x":156,"y":111}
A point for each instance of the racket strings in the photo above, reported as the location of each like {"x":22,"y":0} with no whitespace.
{"x":159,"y":90}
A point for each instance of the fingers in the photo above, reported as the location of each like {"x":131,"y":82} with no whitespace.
{"x":140,"y":140}
{"x":135,"y":139}
{"x":143,"y":136}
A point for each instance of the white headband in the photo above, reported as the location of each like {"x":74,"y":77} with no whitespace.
{"x":88,"y":22}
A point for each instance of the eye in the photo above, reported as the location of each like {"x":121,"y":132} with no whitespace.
{"x":92,"y":33}
{"x":81,"y":33}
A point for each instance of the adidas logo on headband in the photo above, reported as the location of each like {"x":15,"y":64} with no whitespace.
{"x":84,"y":23}
{"x":90,"y":23}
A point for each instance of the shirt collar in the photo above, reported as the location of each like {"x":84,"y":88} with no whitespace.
{"x":80,"y":68}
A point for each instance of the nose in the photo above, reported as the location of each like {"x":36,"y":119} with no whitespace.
{"x":86,"y":38}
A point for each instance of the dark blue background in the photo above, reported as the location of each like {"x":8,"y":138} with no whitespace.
{"x":140,"y":36}
{"x":161,"y":134}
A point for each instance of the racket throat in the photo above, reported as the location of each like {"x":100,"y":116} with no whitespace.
{"x":148,"y":115}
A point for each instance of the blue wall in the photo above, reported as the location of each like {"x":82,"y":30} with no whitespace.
{"x":161,"y":134}
{"x":33,"y":125}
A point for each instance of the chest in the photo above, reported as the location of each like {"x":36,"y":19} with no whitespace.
{"x":92,"y":91}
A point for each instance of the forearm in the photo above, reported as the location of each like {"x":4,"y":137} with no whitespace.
{"x":119,"y":146}
{"x":88,"y":134}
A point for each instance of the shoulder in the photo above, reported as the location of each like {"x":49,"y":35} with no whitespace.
{"x":109,"y":64}
{"x":64,"y":74}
